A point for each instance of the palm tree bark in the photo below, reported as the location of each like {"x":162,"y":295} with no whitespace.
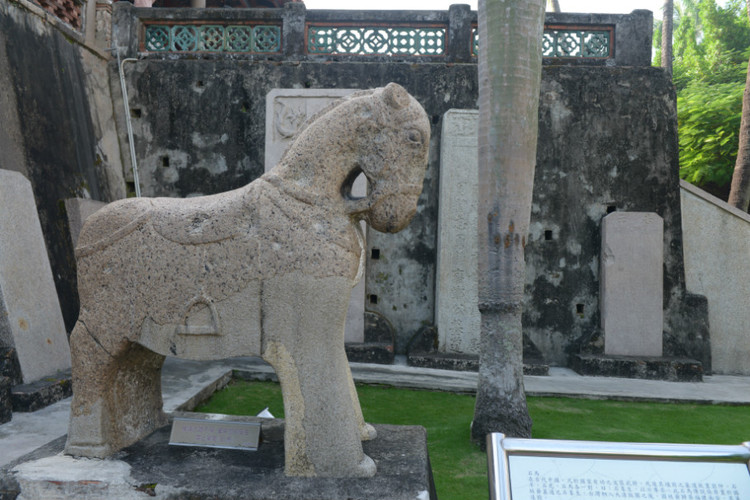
{"x":666,"y":36}
{"x":739,"y":193}
{"x":510,"y":63}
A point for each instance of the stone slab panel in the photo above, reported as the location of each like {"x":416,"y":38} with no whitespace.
{"x":30,"y":317}
{"x":286,"y":111}
{"x":153,"y":469}
{"x":631,"y":283}
{"x":456,"y":314}
{"x":716,"y":245}
{"x":78,"y":210}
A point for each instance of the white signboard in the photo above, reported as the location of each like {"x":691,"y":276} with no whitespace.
{"x":528,"y":469}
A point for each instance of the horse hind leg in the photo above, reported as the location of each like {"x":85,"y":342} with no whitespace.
{"x":116,"y":394}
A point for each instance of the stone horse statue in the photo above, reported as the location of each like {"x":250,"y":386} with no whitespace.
{"x":266,"y":269}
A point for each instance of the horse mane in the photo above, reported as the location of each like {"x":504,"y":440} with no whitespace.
{"x":335,"y":104}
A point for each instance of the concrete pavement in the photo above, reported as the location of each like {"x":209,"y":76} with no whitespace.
{"x":186,"y":383}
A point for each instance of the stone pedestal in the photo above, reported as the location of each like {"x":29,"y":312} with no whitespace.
{"x":631,"y":281}
{"x":153,"y":469}
{"x":30,"y":317}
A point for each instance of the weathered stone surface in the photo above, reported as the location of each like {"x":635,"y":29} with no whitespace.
{"x":287,"y":110}
{"x":631,"y":284}
{"x":42,"y":393}
{"x":78,"y":210}
{"x":456,"y":314}
{"x":153,"y":469}
{"x":654,"y":368}
{"x":6,"y":406}
{"x":266,"y":269}
{"x":30,"y":319}
{"x":9,"y":366}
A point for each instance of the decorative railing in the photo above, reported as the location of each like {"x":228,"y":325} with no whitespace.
{"x":293,"y":33}
{"x":246,"y":39}
{"x":592,"y":42}
{"x":403,"y":40}
{"x":577,"y":41}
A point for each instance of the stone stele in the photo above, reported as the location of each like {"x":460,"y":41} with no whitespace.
{"x":266,"y":270}
{"x":30,"y":317}
{"x":631,"y":282}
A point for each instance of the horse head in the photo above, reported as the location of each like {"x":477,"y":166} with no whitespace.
{"x":394,"y":159}
{"x":382,"y":133}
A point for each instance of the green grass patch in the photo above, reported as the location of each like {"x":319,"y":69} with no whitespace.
{"x":460,"y":469}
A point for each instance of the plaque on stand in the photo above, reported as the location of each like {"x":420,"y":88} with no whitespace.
{"x":545,"y":469}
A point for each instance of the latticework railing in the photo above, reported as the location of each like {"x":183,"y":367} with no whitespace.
{"x":395,"y":40}
{"x":293,"y":33}
{"x":247,"y":39}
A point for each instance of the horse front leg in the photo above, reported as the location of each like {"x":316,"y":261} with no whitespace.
{"x":116,"y":391}
{"x":303,"y":339}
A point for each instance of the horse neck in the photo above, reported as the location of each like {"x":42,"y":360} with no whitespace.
{"x":315,"y":177}
{"x":316,"y":165}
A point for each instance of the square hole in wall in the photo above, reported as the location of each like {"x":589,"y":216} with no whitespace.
{"x":135,"y":112}
{"x":373,"y":299}
{"x":375,"y":254}
{"x":548,"y":235}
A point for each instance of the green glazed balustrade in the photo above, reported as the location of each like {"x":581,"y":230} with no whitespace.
{"x":258,"y":39}
{"x":374,"y":40}
{"x":559,"y":43}
{"x":355,"y":40}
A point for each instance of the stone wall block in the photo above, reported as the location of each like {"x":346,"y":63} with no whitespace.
{"x":459,"y":33}
{"x":294,"y":30}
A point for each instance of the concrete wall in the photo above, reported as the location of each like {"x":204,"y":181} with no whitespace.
{"x":717,"y":247}
{"x":58,"y":127}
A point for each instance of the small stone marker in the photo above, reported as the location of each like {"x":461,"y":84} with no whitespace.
{"x":456,"y":313}
{"x":215,"y":433}
{"x":286,"y":111}
{"x":30,"y":317}
{"x":631,"y":283}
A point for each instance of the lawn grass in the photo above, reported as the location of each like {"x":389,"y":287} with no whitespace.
{"x":459,"y":468}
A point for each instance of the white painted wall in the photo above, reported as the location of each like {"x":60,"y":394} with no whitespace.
{"x":716,"y":239}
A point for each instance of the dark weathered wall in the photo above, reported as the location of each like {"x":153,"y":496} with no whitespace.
{"x":50,"y":135}
{"x":608,"y":141}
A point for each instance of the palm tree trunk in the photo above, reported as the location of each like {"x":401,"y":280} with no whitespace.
{"x":510,"y":62}
{"x":739,"y":193}
{"x":666,"y":36}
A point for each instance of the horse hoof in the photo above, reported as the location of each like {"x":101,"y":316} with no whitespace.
{"x":368,"y":432}
{"x":366,"y":467}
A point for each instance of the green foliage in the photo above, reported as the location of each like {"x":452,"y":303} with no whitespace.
{"x":460,"y":469}
{"x":711,"y":49}
{"x":708,"y":118}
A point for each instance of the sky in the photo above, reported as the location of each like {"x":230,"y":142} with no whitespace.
{"x":609,"y":6}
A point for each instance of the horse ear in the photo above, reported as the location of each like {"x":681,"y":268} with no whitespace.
{"x":395,"y":95}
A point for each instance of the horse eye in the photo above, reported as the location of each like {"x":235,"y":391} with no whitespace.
{"x":413,"y":135}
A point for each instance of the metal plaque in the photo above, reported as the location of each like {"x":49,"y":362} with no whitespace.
{"x":544,"y":469}
{"x":215,"y":433}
